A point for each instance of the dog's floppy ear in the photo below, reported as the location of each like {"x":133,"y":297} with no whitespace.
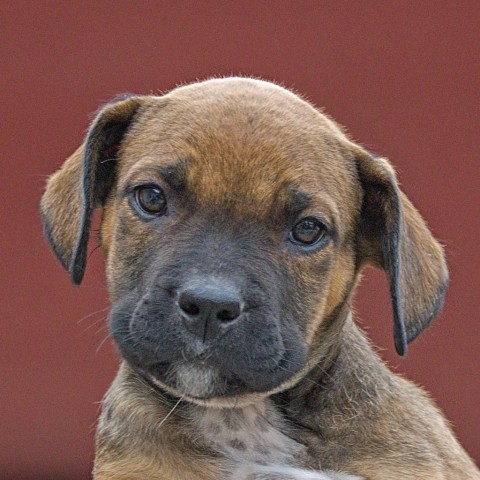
{"x":394,"y":236}
{"x":83,"y":183}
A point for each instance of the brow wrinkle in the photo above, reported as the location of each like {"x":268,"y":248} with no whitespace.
{"x":296,"y":201}
{"x":175,"y":174}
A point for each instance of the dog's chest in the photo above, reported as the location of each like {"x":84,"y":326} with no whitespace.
{"x":251,"y":434}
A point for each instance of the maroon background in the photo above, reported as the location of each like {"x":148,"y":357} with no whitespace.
{"x":402,"y":76}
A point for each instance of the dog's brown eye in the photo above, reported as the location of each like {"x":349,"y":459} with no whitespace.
{"x":151,"y":199}
{"x":308,"y":231}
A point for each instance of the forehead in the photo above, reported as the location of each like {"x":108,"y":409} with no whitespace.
{"x":243,"y":139}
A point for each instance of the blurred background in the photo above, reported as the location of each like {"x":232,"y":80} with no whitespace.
{"x":402,"y":76}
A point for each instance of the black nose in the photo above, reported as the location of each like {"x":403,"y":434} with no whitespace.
{"x":209,"y":308}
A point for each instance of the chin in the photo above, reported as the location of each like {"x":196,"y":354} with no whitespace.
{"x":208,"y":386}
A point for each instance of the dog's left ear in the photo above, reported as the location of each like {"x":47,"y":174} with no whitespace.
{"x":83,"y":183}
{"x":394,"y":236}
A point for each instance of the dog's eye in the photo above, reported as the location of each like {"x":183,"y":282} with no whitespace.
{"x":150,"y":199}
{"x":308,"y":231}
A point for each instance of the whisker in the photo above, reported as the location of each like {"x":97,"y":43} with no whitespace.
{"x":171,"y":411}
{"x":304,"y":378}
{"x":91,"y":315}
{"x":94,"y":250}
{"x":101,"y":329}
{"x":93,"y":324}
{"x":102,"y":343}
{"x":325,"y":372}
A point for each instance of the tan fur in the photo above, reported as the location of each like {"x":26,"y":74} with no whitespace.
{"x":344,"y":411}
{"x":63,"y":202}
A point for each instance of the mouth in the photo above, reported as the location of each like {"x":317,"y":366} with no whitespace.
{"x":201,"y":381}
{"x":195,"y":380}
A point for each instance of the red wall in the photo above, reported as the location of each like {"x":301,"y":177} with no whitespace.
{"x":402,"y":76}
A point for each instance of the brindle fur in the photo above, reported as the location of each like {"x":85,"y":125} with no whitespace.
{"x":232,"y":150}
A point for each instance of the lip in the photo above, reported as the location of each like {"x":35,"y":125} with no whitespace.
{"x":200,"y":380}
{"x":164,"y":375}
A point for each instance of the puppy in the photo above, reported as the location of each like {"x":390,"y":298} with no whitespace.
{"x":236,"y":221}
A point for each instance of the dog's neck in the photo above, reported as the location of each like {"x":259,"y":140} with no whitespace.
{"x":254,"y":433}
{"x":348,"y":377}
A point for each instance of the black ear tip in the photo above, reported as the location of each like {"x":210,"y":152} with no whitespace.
{"x":77,"y":271}
{"x":401,"y":347}
{"x":400,"y":337}
{"x":76,"y":278}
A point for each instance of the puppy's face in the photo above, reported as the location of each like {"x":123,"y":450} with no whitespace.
{"x":229,"y":238}
{"x":236,"y":218}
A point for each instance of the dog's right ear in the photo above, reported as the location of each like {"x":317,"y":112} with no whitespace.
{"x":83,"y":183}
{"x":394,"y":236}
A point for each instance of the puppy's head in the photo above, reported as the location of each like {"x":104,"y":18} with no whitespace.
{"x":236,"y":218}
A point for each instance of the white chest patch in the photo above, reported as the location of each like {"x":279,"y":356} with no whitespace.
{"x":252,"y":441}
{"x":247,"y":435}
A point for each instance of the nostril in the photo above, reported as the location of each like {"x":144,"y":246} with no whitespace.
{"x":190,"y":308}
{"x":188,"y":305}
{"x":228,"y":314}
{"x":201,"y":305}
